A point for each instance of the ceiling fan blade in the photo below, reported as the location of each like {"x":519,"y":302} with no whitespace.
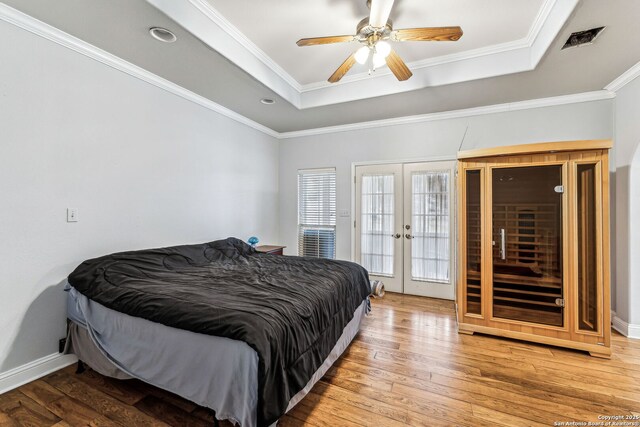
{"x":427,"y":34}
{"x":398,"y":67}
{"x":343,"y":69}
{"x":380,"y":11}
{"x":324,"y":40}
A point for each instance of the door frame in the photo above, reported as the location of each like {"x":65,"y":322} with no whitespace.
{"x":432,"y":159}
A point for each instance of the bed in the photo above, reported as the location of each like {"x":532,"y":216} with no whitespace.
{"x":243,"y":333}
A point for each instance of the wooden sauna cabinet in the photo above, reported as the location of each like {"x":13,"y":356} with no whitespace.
{"x":534,"y":243}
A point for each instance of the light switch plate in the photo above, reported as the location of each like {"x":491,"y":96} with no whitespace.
{"x":72,"y":214}
{"x":344,"y":212}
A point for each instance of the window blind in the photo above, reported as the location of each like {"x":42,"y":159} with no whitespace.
{"x":317,"y":213}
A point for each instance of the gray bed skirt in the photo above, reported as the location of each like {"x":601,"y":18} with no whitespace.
{"x":215,"y":372}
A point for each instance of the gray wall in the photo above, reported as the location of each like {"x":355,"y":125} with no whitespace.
{"x":145,"y":169}
{"x":627,"y":233}
{"x":590,"y":120}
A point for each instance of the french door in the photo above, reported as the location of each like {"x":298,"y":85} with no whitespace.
{"x":404,"y":226}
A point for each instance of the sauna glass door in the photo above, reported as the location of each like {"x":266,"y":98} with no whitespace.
{"x":527,"y":207}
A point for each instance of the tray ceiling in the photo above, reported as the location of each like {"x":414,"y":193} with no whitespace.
{"x":275,"y":25}
{"x":118,"y":29}
{"x":500,"y":37}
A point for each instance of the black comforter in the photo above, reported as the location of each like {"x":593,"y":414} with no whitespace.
{"x":290,"y":310}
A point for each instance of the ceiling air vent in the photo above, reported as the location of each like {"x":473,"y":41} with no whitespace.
{"x":582,"y":37}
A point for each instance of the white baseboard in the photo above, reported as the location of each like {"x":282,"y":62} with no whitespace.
{"x":31,"y":371}
{"x":626,"y":329}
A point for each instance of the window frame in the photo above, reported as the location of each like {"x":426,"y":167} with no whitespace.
{"x":321,"y":222}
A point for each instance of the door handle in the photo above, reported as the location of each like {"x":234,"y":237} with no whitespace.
{"x":408,"y":236}
{"x":397,"y":235}
{"x":503,"y":244}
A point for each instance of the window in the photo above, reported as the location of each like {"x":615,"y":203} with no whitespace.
{"x":317,"y":213}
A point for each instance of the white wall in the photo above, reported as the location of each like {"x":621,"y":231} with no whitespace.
{"x":145,"y":168}
{"x":590,"y":120}
{"x":627,"y":235}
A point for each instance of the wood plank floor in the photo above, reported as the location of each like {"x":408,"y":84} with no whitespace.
{"x":408,"y":366}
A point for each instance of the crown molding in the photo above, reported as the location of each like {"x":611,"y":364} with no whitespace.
{"x":39,"y":28}
{"x":48,"y":32}
{"x":207,"y":24}
{"x":201,"y":19}
{"x":598,"y":95}
{"x":206,"y":8}
{"x":539,"y":21}
{"x":624,"y":79}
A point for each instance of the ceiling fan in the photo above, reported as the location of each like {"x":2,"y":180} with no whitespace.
{"x":374,"y":33}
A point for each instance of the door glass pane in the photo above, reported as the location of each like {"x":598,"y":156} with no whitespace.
{"x":527,"y":250}
{"x":430,"y":226}
{"x":474,"y":263}
{"x":377,"y":219}
{"x":587,"y":255}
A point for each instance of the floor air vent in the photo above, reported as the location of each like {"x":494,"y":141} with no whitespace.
{"x":582,"y":37}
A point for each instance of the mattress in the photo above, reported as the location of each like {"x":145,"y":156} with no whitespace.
{"x":290,"y":310}
{"x":214,"y":372}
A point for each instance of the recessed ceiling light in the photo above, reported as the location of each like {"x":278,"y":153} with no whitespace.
{"x":267,"y":101}
{"x":162,"y":34}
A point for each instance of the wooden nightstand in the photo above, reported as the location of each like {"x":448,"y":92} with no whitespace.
{"x":271,"y":249}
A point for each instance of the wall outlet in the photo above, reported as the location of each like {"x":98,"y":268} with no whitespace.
{"x":72,"y":215}
{"x":343,"y":213}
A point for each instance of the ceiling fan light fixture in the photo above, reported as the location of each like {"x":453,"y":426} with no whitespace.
{"x":362,"y":55}
{"x":378,"y":60}
{"x":383,"y":48}
{"x":373,"y":32}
